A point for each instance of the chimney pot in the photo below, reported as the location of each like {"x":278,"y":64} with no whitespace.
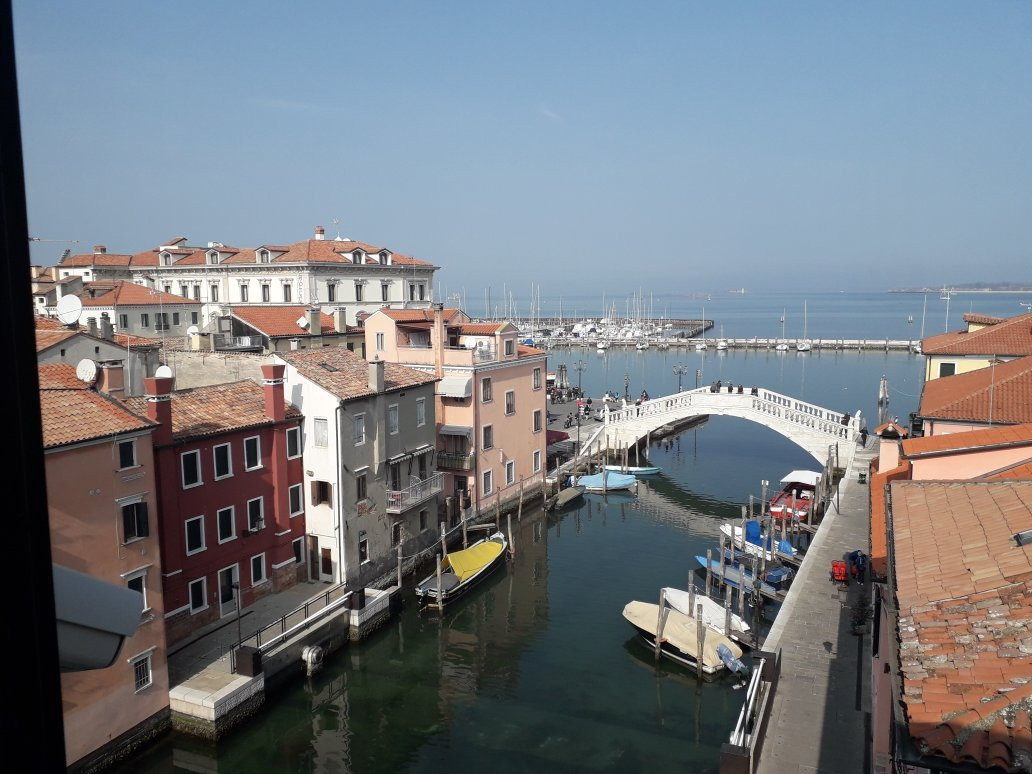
{"x":111,"y":379}
{"x":376,"y":377}
{"x":98,"y":249}
{"x":320,"y":232}
{"x":272,"y":384}
{"x":158,"y":390}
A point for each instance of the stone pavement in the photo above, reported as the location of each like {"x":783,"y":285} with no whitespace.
{"x":820,"y":713}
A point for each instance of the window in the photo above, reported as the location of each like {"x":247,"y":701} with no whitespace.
{"x":198,"y":595}
{"x":510,"y":346}
{"x":320,"y":432}
{"x":243,"y":293}
{"x":196,"y":292}
{"x":359,"y":425}
{"x":166,"y":259}
{"x":331,"y":292}
{"x":258,"y":569}
{"x":214,"y":294}
{"x":190,"y":463}
{"x":358,"y":291}
{"x":395,"y":534}
{"x":184,"y":290}
{"x":134,"y":521}
{"x":947,"y":369}
{"x":193,"y":318}
{"x":488,"y":482}
{"x":537,"y":461}
{"x":286,"y":293}
{"x":137,"y":581}
{"x":213,"y":256}
{"x":363,"y":550}
{"x":420,"y":412}
{"x":510,"y":401}
{"x":123,"y":321}
{"x":537,"y":378}
{"x":486,"y":392}
{"x":361,"y":487}
{"x":142,"y":676}
{"x":252,"y":453}
{"x":175,"y":319}
{"x":383,"y":258}
{"x":168,"y":289}
{"x":392,"y":419}
{"x":256,"y":514}
{"x":161,"y":321}
{"x":379,"y":342}
{"x":537,"y":420}
{"x":356,"y":257}
{"x":126,"y":454}
{"x":145,"y":320}
{"x":226,"y":522}
{"x":223,"y":461}
{"x":293,"y":443}
{"x":266,"y":294}
{"x":320,"y":492}
{"x":294,"y":498}
{"x":423,"y":519}
{"x":263,"y":256}
{"x":195,"y":535}
{"x":510,"y":472}
{"x":488,"y":437}
{"x":299,"y":550}
{"x":385,"y":291}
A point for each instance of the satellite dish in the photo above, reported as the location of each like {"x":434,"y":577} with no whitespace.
{"x":86,"y":371}
{"x":193,"y":330}
{"x":163,"y":372}
{"x":68,"y":309}
{"x":302,"y":322}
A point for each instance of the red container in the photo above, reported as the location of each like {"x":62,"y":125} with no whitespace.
{"x":838,"y":571}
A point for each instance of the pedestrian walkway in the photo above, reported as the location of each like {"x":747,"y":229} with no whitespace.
{"x":819,"y":717}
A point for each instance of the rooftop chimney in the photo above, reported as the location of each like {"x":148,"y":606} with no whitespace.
{"x":320,"y":232}
{"x":376,"y":380}
{"x":272,"y":376}
{"x":437,"y":338}
{"x":340,"y":319}
{"x":106,"y":330}
{"x":99,"y":249}
{"x":111,"y":378}
{"x":314,"y":317}
{"x":158,"y":390}
{"x":91,"y":325}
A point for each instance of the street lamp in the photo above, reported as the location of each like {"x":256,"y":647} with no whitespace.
{"x":579,"y":367}
{"x":680,"y":370}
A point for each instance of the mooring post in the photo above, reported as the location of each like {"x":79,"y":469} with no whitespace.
{"x":498,"y":511}
{"x":512,"y":542}
{"x":399,"y":566}
{"x":700,"y":640}
{"x":440,"y":604}
{"x":465,"y":535}
{"x":741,"y":597}
{"x":444,"y":540}
{"x":709,"y":569}
{"x":691,"y":594}
{"x":727,"y":611}
{"x":743,"y":528}
{"x":750,"y":506}
{"x":519,"y":510}
{"x":723,"y":563}
{"x":659,"y":623}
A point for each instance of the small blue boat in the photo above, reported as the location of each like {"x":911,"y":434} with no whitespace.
{"x":607,"y":481}
{"x":735,"y":575}
{"x":639,"y":470}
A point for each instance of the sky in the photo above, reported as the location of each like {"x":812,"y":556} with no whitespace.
{"x":590,"y":146}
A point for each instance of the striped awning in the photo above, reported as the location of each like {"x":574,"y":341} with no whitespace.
{"x":455,"y":386}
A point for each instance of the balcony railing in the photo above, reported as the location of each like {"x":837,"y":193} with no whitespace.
{"x":455,"y":460}
{"x":403,"y":499}
{"x":226,"y":341}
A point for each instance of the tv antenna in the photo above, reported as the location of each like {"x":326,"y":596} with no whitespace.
{"x":41,"y":239}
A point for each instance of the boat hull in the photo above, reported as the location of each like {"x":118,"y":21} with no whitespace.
{"x":680,"y":641}
{"x":452,"y":585}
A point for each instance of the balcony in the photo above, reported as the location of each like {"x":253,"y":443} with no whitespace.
{"x":455,"y":460}
{"x":399,"y":501}
{"x":225,"y":341}
{"x":453,"y":356}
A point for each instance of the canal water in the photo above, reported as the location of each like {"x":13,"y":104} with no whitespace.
{"x":537,"y":669}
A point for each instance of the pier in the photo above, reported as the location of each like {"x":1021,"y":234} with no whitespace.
{"x":757,"y":344}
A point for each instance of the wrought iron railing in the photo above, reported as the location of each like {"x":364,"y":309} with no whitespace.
{"x":402,"y":499}
{"x":455,"y":460}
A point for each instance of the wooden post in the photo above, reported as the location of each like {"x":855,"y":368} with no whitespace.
{"x":700,"y":640}
{"x":709,"y":569}
{"x":743,"y":528}
{"x":498,"y":510}
{"x":508,"y":525}
{"x":440,"y":604}
{"x":659,"y":623}
{"x":741,"y":599}
{"x":691,"y":594}
{"x":465,"y":534}
{"x":750,"y":506}
{"x":727,"y":611}
{"x":444,"y":541}
{"x":399,"y":566}
{"x":723,"y":582}
{"x":519,"y":510}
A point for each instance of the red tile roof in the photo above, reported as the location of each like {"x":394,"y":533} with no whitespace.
{"x":215,"y":409}
{"x":50,"y":332}
{"x":1000,"y":393}
{"x":477,"y":329}
{"x":72,"y":412}
{"x":278,"y":321}
{"x":419,"y":315}
{"x":49,"y":337}
{"x":522,"y":350}
{"x":1017,"y":470}
{"x":964,"y":593}
{"x":982,"y":319}
{"x":1009,"y":338}
{"x":129,"y":293}
{"x":891,"y":430}
{"x":1008,"y":435}
{"x":94,"y":259}
{"x":346,"y":375}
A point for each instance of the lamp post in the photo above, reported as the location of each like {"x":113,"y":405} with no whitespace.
{"x":579,"y":367}
{"x":680,"y":370}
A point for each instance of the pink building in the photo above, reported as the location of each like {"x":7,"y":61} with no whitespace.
{"x":230,"y":486}
{"x":102,"y":497}
{"x":491,"y":409}
{"x":999,"y":393}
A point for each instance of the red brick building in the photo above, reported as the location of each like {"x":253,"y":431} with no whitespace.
{"x":231,"y":508}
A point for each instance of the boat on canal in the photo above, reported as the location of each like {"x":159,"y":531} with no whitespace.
{"x":634,"y":470}
{"x":796,"y":497}
{"x":713,"y":613}
{"x":607,"y":481}
{"x":736,"y":574}
{"x":755,"y":542}
{"x":680,"y":640}
{"x":564,"y":498}
{"x":461,"y":570}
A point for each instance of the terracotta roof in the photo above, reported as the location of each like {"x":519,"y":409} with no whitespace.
{"x":1007,"y":435}
{"x":95,"y":259}
{"x":48,"y":323}
{"x":982,"y":319}
{"x":72,"y":412}
{"x":1010,"y":337}
{"x":50,"y":332}
{"x":477,"y":329}
{"x":216,"y":409}
{"x":346,"y":375}
{"x":1017,"y":470}
{"x":49,"y":337}
{"x":1005,"y":390}
{"x":129,"y":293}
{"x":417,"y":315}
{"x":277,"y":321}
{"x":964,"y":593}
{"x":522,"y":350}
{"x":891,"y":430}
{"x":137,"y":342}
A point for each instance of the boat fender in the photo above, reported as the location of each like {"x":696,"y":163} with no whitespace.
{"x":732,"y":663}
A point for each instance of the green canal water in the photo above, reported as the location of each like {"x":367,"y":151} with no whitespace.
{"x":536,"y":669}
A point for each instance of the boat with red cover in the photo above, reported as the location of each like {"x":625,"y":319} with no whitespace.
{"x":797,"y":495}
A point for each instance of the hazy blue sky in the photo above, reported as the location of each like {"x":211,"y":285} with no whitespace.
{"x":603,"y":146}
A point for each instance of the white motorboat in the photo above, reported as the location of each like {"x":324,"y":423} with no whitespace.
{"x":712,"y":611}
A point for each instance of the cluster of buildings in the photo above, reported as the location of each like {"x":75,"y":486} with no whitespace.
{"x":378,"y":418}
{"x":951,"y":551}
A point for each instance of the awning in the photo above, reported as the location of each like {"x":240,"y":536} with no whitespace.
{"x":807,"y":477}
{"x":554,"y":436}
{"x":457,"y":430}
{"x":455,"y":386}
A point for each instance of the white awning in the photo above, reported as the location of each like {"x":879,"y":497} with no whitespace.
{"x":457,"y":430}
{"x":808,"y":477}
{"x":455,"y":386}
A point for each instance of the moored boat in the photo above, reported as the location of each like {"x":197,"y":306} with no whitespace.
{"x":634,"y":470}
{"x":756,"y":543}
{"x":564,"y":497}
{"x":713,"y":613}
{"x":773,"y":581}
{"x":460,"y":570}
{"x":796,"y":497}
{"x":680,"y":638}
{"x":607,"y":481}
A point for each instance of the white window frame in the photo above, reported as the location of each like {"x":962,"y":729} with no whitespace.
{"x":537,"y":379}
{"x":143,"y":658}
{"x":483,"y":439}
{"x":360,"y":429}
{"x":232,"y":522}
{"x":182,"y":469}
{"x":215,"y":460}
{"x":420,"y":412}
{"x":189,"y":595}
{"x":320,"y":432}
{"x":124,"y":502}
{"x":258,"y":447}
{"x":133,"y":575}
{"x":186,"y":536}
{"x":538,"y":423}
{"x":487,"y":479}
{"x":296,"y":433}
{"x":537,"y":460}
{"x":486,"y":390}
{"x":261,"y":516}
{"x":393,"y":419}
{"x":510,"y":472}
{"x":265,"y":576}
{"x":510,"y":347}
{"x":299,"y":488}
{"x":132,"y":445}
